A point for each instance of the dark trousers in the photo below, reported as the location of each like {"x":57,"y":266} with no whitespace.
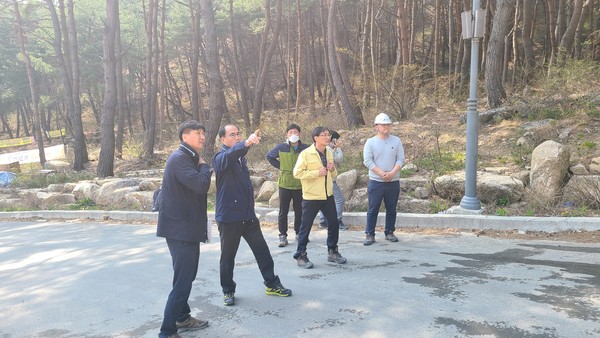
{"x":231,"y":234}
{"x":389,"y":193}
{"x":185,"y":256}
{"x":310,"y":209}
{"x":285,"y":196}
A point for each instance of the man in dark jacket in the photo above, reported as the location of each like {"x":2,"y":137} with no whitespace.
{"x":182,"y":220}
{"x":235,"y":213}
{"x":284,"y":157}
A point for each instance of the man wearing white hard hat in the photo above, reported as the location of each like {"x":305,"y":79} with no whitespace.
{"x":383,"y":154}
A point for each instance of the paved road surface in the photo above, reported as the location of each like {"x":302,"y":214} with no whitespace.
{"x":72,"y":279}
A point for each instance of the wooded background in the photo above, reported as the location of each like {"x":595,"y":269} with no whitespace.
{"x":138,"y":66}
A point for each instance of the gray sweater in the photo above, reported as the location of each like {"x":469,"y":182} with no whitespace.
{"x":384,"y":154}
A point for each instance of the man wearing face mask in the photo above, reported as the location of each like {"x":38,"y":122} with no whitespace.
{"x":284,"y":157}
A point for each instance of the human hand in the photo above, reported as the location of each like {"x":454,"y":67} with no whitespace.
{"x":322,"y":171}
{"x":330,"y":166}
{"x":201,"y":160}
{"x":387,"y":176}
{"x":254,"y":138}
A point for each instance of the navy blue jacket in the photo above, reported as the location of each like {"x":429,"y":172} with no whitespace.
{"x":182,"y":215}
{"x":235,"y":194}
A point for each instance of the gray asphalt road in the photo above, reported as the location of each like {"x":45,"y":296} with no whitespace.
{"x":73,"y":279}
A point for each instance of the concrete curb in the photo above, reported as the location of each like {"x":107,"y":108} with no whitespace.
{"x":545,"y":224}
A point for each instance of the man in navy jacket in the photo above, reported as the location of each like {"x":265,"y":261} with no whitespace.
{"x":235,"y":213}
{"x":182,"y":220}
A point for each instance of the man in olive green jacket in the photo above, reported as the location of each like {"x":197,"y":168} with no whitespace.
{"x":284,"y":157}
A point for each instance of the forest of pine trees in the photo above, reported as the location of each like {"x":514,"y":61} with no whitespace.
{"x":124,"y":67}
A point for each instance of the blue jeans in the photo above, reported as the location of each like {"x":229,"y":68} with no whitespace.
{"x":185,"y":256}
{"x":389,"y":192}
{"x":310,"y":208}
{"x":338,"y":196}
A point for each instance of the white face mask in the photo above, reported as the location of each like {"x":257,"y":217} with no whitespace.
{"x":294,"y":138}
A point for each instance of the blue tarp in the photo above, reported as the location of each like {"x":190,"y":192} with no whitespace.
{"x":6,"y":177}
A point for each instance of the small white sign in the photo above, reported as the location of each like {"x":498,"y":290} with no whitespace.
{"x":56,"y":152}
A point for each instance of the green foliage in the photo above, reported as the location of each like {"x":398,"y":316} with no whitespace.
{"x":581,"y":211}
{"x":211,"y":202}
{"x":38,"y":180}
{"x":406,"y":173}
{"x":521,"y":155}
{"x":83,"y":204}
{"x":8,"y":209}
{"x":438,"y":206}
{"x":134,"y":145}
{"x":589,"y":145}
{"x":442,"y":163}
{"x":501,"y":212}
{"x":571,"y":77}
{"x":502,"y":201}
{"x":595,"y":114}
{"x":554,"y":113}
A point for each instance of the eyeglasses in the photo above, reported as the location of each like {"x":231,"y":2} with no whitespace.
{"x":235,"y":134}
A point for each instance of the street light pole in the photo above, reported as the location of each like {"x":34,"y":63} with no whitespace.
{"x":472,"y":29}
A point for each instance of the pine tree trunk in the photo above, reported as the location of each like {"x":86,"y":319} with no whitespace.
{"x":37,"y":133}
{"x":216,"y":99}
{"x":107,"y":133}
{"x":495,"y":50}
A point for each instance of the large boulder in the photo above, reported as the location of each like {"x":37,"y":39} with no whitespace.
{"x":413,"y":205}
{"x":549,"y":168}
{"x":359,"y":200}
{"x":56,"y":165}
{"x":579,"y":169}
{"x":121,"y":198}
{"x":347,"y":181}
{"x":144,"y":199}
{"x":150,"y":184}
{"x":267,"y":189}
{"x":413,"y":182}
{"x":490,"y":187}
{"x":274,"y":200}
{"x":54,"y":200}
{"x":106,"y":195}
{"x":256,"y":181}
{"x":450,"y":187}
{"x":595,"y":165}
{"x":86,"y":189}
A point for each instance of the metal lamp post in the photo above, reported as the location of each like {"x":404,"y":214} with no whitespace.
{"x":472,"y":28}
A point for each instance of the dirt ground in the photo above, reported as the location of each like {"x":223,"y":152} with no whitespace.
{"x":566,"y":236}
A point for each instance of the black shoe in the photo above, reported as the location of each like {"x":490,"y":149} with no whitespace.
{"x":191,"y":324}
{"x":370,"y":239}
{"x":229,"y":299}
{"x":278,"y":290}
{"x":343,"y":226}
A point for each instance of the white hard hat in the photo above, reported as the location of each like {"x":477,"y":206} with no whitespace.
{"x":382,"y":118}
